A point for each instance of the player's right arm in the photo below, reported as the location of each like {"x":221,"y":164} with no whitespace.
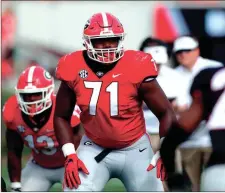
{"x":65,"y":103}
{"x":14,"y":145}
{"x":14,"y":155}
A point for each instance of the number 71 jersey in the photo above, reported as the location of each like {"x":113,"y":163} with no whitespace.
{"x":111,"y":108}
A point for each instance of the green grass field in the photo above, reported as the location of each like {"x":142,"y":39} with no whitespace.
{"x":112,"y":185}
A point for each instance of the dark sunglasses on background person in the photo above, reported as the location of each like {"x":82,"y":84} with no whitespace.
{"x":180,"y":51}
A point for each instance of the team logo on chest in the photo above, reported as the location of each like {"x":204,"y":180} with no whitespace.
{"x":99,"y":73}
{"x":83,"y":73}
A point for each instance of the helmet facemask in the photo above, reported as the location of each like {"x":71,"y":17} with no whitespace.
{"x":104,"y":55}
{"x":37,"y":106}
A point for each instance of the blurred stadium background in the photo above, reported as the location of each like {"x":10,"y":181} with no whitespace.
{"x":40,"y":32}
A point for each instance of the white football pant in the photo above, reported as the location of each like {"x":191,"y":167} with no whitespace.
{"x":36,"y":178}
{"x":128,"y":164}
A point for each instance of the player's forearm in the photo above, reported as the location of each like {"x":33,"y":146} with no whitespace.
{"x":167,"y":119}
{"x":64,"y":135}
{"x":14,"y":149}
{"x":76,"y":140}
{"x":14,"y":167}
{"x":63,"y":130}
{"x":78,"y":133}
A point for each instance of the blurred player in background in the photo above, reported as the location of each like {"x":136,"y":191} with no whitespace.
{"x":28,"y":116}
{"x":109,"y":85}
{"x":197,"y":149}
{"x":208,"y":99}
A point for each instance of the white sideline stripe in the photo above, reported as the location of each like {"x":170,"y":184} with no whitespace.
{"x":30,"y":75}
{"x":105,"y":21}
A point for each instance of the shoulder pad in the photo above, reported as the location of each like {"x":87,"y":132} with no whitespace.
{"x":143,"y":66}
{"x":66,"y":69}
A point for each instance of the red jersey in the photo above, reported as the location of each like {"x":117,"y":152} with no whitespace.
{"x":111,"y":109}
{"x":45,"y":148}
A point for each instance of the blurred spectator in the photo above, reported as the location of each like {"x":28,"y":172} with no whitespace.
{"x":7,"y":34}
{"x":198,"y":147}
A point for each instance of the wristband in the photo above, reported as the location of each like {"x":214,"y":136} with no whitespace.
{"x":155,"y":158}
{"x":15,"y":185}
{"x":68,"y":149}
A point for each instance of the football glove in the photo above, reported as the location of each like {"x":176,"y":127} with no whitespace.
{"x":71,"y":176}
{"x":15,"y":187}
{"x":160,"y":169}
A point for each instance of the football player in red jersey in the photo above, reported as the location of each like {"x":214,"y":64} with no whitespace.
{"x":109,"y":85}
{"x":28,"y":116}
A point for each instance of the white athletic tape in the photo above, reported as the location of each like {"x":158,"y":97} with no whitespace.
{"x":155,"y":158}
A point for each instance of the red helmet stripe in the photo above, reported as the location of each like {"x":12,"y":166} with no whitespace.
{"x":30,"y":75}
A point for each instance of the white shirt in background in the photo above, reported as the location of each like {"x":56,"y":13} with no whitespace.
{"x":200,"y":138}
{"x":171,"y":82}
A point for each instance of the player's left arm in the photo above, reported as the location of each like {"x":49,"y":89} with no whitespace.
{"x":151,"y":93}
{"x":157,"y":102}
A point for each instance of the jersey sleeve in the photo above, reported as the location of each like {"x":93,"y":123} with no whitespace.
{"x":75,"y":119}
{"x":8,"y":111}
{"x":66,"y":69}
{"x":150,"y":70}
{"x":147,"y":69}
